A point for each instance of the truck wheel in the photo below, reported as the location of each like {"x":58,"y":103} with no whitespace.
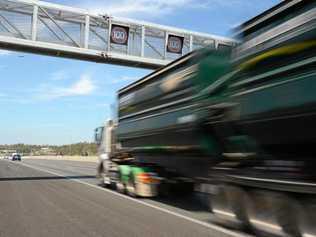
{"x":228,"y":206}
{"x":110,"y":186}
{"x":289,"y":215}
{"x":120,"y":187}
{"x":238,"y":198}
{"x":220,"y":207}
{"x":262,"y":214}
{"x":100,"y":170}
{"x":101,"y":181}
{"x":307,"y":217}
{"x":272,"y":213}
{"x":130,"y":189}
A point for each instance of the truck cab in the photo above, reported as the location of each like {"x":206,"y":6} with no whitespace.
{"x":104,"y":137}
{"x":117,"y":169}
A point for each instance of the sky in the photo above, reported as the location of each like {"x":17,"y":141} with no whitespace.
{"x":47,"y":100}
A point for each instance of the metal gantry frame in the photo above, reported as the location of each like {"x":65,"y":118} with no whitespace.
{"x":51,"y":29}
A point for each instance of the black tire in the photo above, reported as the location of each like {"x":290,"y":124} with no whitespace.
{"x":100,"y":174}
{"x":307,"y":217}
{"x":228,"y":206}
{"x":131,"y":186}
{"x":289,"y":215}
{"x":100,"y":170}
{"x":111,"y":186}
{"x":238,"y":198}
{"x":273,"y":213}
{"x":120,"y":186}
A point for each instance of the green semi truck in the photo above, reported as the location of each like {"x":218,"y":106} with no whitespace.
{"x":157,"y":135}
{"x":235,"y":124}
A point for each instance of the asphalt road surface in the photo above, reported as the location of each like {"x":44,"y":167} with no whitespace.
{"x":61,"y":198}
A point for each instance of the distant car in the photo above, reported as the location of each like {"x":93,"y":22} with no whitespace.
{"x":16,"y":157}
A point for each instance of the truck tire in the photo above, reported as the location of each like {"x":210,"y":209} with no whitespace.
{"x":228,"y":206}
{"x":120,"y":186}
{"x":273,"y":213}
{"x":100,"y":174}
{"x":288,"y":217}
{"x":307,"y":217}
{"x":131,"y":188}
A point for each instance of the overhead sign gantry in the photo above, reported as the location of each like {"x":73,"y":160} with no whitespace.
{"x":46,"y":28}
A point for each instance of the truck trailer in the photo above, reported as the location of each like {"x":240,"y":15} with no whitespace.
{"x":233,"y":123}
{"x":158,"y":130}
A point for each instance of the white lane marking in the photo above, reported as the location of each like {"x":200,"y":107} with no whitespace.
{"x":266,"y":225}
{"x":207,"y":225}
{"x":225,"y":213}
{"x":308,"y":235}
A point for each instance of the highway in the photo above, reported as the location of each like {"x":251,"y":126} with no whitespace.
{"x":62,"y":198}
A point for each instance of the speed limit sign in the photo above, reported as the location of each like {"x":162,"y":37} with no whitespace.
{"x":119,"y":34}
{"x":175,"y":44}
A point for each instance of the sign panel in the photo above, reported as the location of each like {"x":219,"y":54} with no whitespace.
{"x":175,"y":44}
{"x":119,"y":34}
